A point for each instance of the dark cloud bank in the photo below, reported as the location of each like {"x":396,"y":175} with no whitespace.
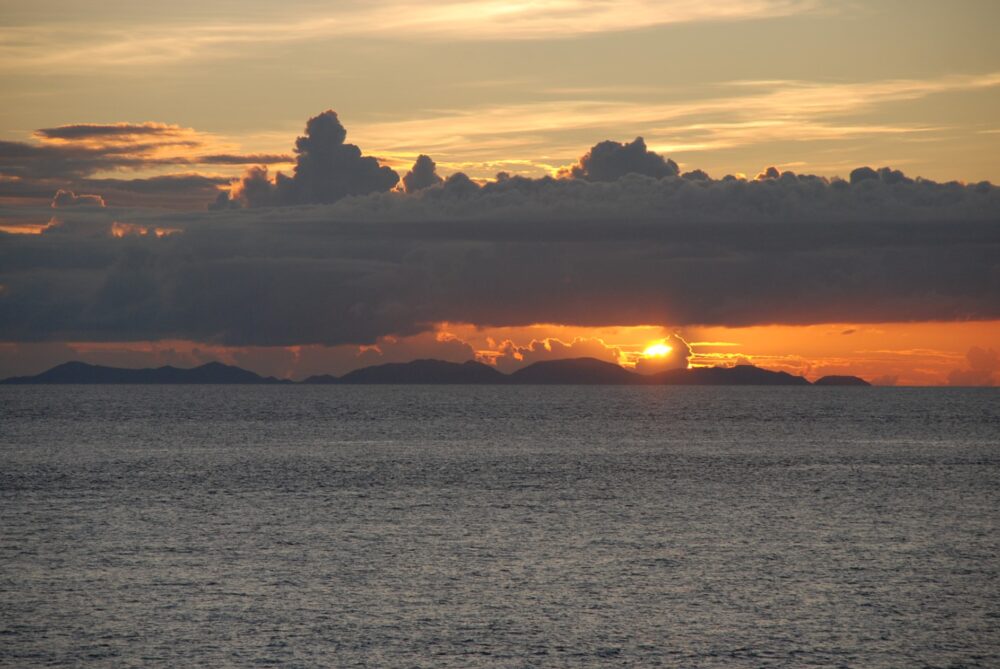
{"x":67,"y":157}
{"x":338,"y":253}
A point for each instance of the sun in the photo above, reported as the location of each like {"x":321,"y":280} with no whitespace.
{"x":657,"y":350}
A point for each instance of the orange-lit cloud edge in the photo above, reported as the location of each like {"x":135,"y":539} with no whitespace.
{"x":903,"y":354}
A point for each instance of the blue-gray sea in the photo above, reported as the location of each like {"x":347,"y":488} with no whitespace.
{"x":437,"y":526}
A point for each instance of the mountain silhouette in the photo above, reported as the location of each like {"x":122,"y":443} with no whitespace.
{"x":418,"y":371}
{"x":578,"y":371}
{"x":740,"y":375}
{"x":82,"y":373}
{"x":573,"y":371}
{"x":840,"y":381}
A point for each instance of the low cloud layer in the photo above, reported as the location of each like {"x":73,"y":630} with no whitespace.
{"x":73,"y":157}
{"x":108,"y":131}
{"x":621,"y":239}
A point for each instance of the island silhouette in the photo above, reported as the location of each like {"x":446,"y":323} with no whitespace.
{"x":571,"y":371}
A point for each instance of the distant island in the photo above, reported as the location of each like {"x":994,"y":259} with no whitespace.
{"x":575,"y":371}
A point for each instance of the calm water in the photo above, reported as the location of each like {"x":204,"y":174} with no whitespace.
{"x":507,"y":527}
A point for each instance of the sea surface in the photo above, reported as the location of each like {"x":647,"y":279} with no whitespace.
{"x":485,"y":526}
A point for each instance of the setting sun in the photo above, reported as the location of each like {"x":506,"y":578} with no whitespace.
{"x":658,"y":350}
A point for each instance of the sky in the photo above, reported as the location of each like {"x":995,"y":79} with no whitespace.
{"x":243,"y":181}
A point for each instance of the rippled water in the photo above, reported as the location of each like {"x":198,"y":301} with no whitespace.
{"x":493,"y":526}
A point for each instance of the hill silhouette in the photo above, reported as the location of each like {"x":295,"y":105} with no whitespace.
{"x":577,"y":371}
{"x":740,"y":375}
{"x":83,"y":373}
{"x":835,"y":380}
{"x":417,"y":371}
{"x":572,"y":371}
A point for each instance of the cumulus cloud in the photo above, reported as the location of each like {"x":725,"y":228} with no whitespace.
{"x":883,"y":174}
{"x":327,"y":169}
{"x":609,"y":161}
{"x":422,"y":175}
{"x":770,"y":173}
{"x":696,"y":175}
{"x":512,"y":356}
{"x":67,"y":198}
{"x":255,"y":189}
{"x":596,"y":250}
{"x":885,"y":380}
{"x":984,"y":363}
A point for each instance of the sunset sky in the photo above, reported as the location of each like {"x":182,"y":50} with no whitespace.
{"x":143,"y":220}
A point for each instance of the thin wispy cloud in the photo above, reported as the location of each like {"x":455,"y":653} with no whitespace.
{"x":746,"y":113}
{"x":87,"y":45}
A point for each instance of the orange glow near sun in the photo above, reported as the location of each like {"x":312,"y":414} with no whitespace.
{"x":905,"y":354}
{"x":657,"y":350}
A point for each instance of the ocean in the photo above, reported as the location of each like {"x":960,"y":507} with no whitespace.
{"x":491,"y":526}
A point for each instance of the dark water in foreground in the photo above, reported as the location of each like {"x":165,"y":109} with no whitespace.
{"x":493,"y":526}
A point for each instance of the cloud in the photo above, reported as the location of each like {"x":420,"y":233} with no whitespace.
{"x":170,"y":191}
{"x":984,"y":363}
{"x":326,"y":170}
{"x":70,"y":157}
{"x":74,"y":48}
{"x":512,"y":356}
{"x":240,"y":159}
{"x":74,"y":160}
{"x":22,"y":160}
{"x":744,"y":113}
{"x":438,"y":345}
{"x":885,"y":380}
{"x":66,"y":198}
{"x":109,"y":131}
{"x":255,"y":189}
{"x":590,"y":251}
{"x":423,"y":174}
{"x":610,"y":161}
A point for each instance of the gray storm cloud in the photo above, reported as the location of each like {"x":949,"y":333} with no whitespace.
{"x":591,"y":250}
